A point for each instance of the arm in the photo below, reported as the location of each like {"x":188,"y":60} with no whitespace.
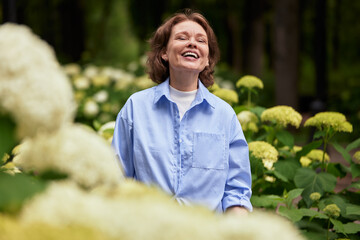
{"x":238,"y":185}
{"x":122,"y":144}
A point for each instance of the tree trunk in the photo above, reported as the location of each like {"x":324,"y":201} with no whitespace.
{"x":286,"y":52}
{"x":234,"y":41}
{"x":254,"y":34}
{"x":9,"y":11}
{"x":320,"y":51}
{"x":335,"y":36}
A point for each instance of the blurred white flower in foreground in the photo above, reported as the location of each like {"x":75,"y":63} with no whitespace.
{"x":33,"y":87}
{"x":135,"y":211}
{"x":74,"y":150}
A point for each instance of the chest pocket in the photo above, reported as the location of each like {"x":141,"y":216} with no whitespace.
{"x":209,"y":151}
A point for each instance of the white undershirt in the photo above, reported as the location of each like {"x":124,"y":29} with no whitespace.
{"x":182,"y":99}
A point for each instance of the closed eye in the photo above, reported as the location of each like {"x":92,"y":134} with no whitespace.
{"x":201,"y":40}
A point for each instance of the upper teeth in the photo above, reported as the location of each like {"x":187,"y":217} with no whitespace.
{"x":190,"y":54}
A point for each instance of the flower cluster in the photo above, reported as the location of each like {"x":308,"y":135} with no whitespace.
{"x":317,"y":155}
{"x":332,"y":210}
{"x":12,"y":230}
{"x":135,"y":211}
{"x":101,"y":91}
{"x":73,"y":150}
{"x":249,"y":82}
{"x":282,"y":116}
{"x":305,"y":161}
{"x":248,"y":121}
{"x":357,"y":156}
{"x":264,"y":151}
{"x":33,"y":90}
{"x":315,"y":196}
{"x":314,"y":155}
{"x":327,"y":120}
{"x":228,"y":95}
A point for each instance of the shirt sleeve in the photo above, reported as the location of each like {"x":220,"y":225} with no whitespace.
{"x":238,"y":183}
{"x":123,"y":144}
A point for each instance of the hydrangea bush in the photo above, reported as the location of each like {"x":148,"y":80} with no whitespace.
{"x":298,"y":182}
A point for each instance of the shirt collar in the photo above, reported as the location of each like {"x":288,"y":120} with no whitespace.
{"x":202,"y":94}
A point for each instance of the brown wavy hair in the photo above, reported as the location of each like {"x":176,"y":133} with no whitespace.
{"x":158,"y":69}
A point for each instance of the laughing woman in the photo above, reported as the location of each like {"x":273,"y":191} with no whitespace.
{"x":177,"y":135}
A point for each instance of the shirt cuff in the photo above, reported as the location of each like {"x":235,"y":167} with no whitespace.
{"x":230,"y":201}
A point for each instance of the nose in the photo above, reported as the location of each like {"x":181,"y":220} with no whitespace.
{"x":192,"y":43}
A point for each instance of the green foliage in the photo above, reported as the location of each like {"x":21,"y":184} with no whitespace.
{"x":15,"y":190}
{"x":7,"y":137}
{"x":313,"y":182}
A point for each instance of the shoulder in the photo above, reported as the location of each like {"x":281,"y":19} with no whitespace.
{"x":142,"y":95}
{"x":220,"y":106}
{"x":137,"y":101}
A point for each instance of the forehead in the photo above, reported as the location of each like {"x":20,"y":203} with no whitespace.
{"x":189,"y":27}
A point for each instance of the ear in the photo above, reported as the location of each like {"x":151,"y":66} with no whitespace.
{"x":164,"y":56}
{"x":207,"y":63}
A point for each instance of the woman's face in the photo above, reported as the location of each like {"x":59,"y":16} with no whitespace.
{"x":187,"y":49}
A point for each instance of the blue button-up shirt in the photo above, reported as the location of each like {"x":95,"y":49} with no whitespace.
{"x":202,"y":159}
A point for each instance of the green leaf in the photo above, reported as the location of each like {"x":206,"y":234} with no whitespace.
{"x":353,"y":145}
{"x":280,"y":176}
{"x":338,"y":226}
{"x":286,"y":168}
{"x":14,"y":190}
{"x":336,"y":169}
{"x":97,"y":125}
{"x":267,"y":201}
{"x":354,"y":185}
{"x":343,"y":152}
{"x":257,"y":167}
{"x":307,"y":148}
{"x":351,"y":228}
{"x":352,"y":209}
{"x":293,"y":214}
{"x":52,"y":175}
{"x":312,"y":182}
{"x":7,"y":136}
{"x":258,"y":110}
{"x":312,"y":213}
{"x":355,"y":170}
{"x":292,"y":195}
{"x":239,"y":109}
{"x":319,"y":134}
{"x":285,"y":138}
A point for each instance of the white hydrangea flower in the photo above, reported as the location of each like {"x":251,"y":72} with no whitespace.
{"x":74,"y":150}
{"x":34,"y":89}
{"x":91,"y":108}
{"x":101,"y":96}
{"x":81,"y":83}
{"x":91,"y":71}
{"x":72,"y":69}
{"x":133,"y":211}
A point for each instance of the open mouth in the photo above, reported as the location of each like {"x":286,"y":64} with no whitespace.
{"x":190,"y":54}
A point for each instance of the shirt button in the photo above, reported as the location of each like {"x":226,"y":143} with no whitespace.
{"x":180,"y":140}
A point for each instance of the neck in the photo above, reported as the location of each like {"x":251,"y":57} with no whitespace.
{"x":184,"y":81}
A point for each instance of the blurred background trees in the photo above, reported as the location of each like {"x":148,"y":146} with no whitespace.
{"x":306,"y":52}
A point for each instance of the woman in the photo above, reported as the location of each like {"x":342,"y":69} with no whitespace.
{"x":179,"y":136}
